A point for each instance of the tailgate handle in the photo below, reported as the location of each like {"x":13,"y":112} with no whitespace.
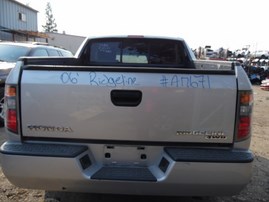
{"x":126,"y":98}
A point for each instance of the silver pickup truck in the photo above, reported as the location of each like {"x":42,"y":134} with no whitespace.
{"x":128,"y":115}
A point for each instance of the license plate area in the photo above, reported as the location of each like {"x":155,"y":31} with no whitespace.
{"x":125,"y":155}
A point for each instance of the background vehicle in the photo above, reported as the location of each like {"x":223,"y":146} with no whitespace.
{"x":10,"y":52}
{"x":129,"y":115}
{"x":260,"y":54}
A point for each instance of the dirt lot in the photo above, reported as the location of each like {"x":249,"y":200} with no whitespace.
{"x":257,"y":189}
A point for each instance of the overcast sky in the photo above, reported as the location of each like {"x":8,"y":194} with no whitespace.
{"x":220,"y":23}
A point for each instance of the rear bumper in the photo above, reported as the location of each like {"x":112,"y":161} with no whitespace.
{"x":160,"y":171}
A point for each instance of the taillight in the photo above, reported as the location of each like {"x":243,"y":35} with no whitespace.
{"x":11,"y":108}
{"x":244,"y":115}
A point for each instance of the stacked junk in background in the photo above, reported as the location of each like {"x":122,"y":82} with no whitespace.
{"x":258,"y":71}
{"x":256,"y":64}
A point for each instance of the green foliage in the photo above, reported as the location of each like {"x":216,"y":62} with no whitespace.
{"x":50,"y":25}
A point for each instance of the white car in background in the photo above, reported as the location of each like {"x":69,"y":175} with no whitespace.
{"x":260,"y":54}
{"x":10,"y":52}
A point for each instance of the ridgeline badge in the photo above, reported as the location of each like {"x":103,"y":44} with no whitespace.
{"x":41,"y":128}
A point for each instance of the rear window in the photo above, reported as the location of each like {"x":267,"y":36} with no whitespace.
{"x":137,"y":51}
{"x":39,"y":52}
{"x":53,"y":52}
{"x":66,"y":53}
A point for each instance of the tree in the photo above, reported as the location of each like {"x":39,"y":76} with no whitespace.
{"x":50,"y":26}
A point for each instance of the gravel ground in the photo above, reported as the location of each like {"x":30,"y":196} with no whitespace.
{"x":256,"y":190}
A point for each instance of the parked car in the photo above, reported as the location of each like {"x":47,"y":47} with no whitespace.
{"x":241,"y":53}
{"x":10,"y":52}
{"x":260,"y":54}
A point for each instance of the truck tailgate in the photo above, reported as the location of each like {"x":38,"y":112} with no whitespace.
{"x":183,"y":106}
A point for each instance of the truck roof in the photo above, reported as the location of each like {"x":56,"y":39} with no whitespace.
{"x":136,"y":36}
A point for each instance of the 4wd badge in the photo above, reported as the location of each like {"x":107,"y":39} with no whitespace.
{"x":209,"y":135}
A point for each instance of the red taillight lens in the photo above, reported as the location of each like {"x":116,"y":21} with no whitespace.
{"x":244,"y":127}
{"x":11,"y":108}
{"x":11,"y":122}
{"x":244,"y":115}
